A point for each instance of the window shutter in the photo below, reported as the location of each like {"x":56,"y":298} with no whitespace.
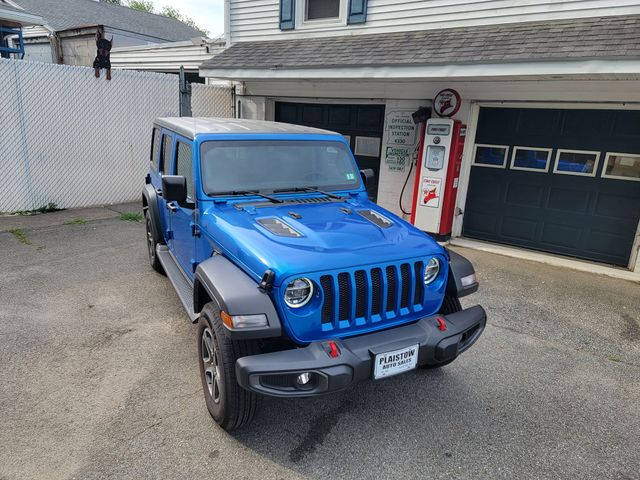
{"x":287,"y":14}
{"x":357,"y":11}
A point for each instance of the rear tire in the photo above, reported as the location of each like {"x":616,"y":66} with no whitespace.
{"x":451,"y":304}
{"x":151,"y":243}
{"x":230,"y":405}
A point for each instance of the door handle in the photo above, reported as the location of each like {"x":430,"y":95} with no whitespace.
{"x":159,"y":192}
{"x":171,"y":206}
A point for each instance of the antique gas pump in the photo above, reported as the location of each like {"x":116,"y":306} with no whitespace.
{"x":438,"y":170}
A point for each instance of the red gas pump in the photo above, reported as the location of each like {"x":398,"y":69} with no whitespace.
{"x":436,"y":184}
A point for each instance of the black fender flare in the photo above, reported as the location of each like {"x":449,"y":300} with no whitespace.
{"x":150,"y":204}
{"x":235,"y":293}
{"x":462,"y":279}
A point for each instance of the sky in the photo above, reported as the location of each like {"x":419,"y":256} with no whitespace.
{"x":208,"y":14}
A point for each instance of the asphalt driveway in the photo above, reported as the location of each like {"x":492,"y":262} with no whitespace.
{"x":99,"y":379}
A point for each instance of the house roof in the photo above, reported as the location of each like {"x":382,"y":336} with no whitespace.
{"x":17,"y":15}
{"x":67,"y":14}
{"x":191,"y":126}
{"x":596,"y":37}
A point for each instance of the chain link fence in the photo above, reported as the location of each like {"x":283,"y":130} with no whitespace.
{"x":75,"y":140}
{"x":211,"y":101}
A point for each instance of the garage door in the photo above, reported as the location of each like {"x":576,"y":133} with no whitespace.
{"x":362,"y":125}
{"x":561,"y":181}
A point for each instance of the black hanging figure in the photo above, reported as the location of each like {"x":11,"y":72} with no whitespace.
{"x":103,"y":56}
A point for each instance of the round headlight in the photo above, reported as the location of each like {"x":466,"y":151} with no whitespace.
{"x":298,"y":292}
{"x":431,"y":270}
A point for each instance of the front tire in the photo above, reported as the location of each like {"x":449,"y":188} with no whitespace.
{"x":230,"y":405}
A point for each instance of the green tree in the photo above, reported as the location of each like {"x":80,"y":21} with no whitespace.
{"x":142,"y":5}
{"x":174,"y":13}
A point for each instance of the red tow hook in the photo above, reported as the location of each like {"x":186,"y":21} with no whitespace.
{"x":332,"y":349}
{"x":442,"y":326}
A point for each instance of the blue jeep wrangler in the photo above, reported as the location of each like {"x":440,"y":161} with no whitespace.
{"x":301,"y":286}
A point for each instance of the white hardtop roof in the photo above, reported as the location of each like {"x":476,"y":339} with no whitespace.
{"x":192,"y":126}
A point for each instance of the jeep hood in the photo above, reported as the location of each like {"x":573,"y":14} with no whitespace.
{"x":333,"y":235}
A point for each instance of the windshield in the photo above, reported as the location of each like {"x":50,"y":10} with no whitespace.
{"x":268,"y":165}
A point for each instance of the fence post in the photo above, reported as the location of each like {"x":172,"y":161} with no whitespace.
{"x":185,"y":95}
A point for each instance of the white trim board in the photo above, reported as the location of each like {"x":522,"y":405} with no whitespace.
{"x":547,"y":258}
{"x":450,"y":71}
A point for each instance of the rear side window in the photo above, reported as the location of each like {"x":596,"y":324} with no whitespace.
{"x":184,"y":166}
{"x":155,"y":149}
{"x":166,"y":151}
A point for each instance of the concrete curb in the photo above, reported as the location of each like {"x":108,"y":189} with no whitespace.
{"x":548,"y":259}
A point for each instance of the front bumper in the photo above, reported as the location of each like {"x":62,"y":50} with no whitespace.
{"x":274,"y":373}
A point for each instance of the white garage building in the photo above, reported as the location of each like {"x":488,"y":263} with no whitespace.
{"x":550,"y":95}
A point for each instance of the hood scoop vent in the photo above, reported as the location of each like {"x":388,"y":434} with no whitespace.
{"x":278,"y":227}
{"x":376,"y":218}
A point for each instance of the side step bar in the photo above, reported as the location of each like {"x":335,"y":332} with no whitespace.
{"x":182,"y":285}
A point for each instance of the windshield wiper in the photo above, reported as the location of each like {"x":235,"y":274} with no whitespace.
{"x":308,"y":189}
{"x":250,"y":192}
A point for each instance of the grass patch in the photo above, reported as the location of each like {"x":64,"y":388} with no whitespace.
{"x":20,"y":235}
{"x":75,"y":221}
{"x":131,"y":217}
{"x":49,"y":207}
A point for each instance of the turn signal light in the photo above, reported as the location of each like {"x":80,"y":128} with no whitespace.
{"x":244,"y":321}
{"x":226,"y":319}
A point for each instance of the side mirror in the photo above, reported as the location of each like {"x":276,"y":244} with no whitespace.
{"x":367,"y":176}
{"x":174,"y":188}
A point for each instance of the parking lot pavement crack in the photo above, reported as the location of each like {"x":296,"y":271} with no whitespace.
{"x":565,"y":346}
{"x":149,"y":427}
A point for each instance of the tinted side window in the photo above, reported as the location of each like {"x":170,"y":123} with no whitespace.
{"x":155,"y":149}
{"x":166,"y":152}
{"x":184,"y":166}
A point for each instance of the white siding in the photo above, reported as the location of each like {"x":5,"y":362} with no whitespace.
{"x":252,"y":20}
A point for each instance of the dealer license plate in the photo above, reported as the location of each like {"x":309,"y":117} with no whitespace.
{"x":395,"y":362}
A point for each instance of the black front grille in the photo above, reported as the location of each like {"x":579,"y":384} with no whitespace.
{"x":326,"y":282}
{"x":361,"y":294}
{"x":405,"y":276}
{"x":376,"y":291}
{"x":372,"y":293}
{"x":419,"y":291}
{"x":391,"y":289}
{"x":344,"y":294}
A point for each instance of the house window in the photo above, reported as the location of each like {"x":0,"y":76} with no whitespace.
{"x":322,"y":9}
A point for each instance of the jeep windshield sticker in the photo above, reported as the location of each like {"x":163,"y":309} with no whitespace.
{"x":350,"y":176}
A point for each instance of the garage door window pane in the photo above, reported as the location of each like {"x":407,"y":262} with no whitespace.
{"x":624,"y":166}
{"x":533,"y":159}
{"x":576,"y":162}
{"x":491,"y":156}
